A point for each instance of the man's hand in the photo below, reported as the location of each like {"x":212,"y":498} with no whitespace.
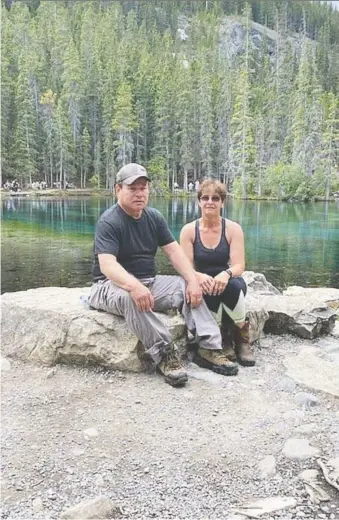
{"x":206,"y":282}
{"x":193,"y":293}
{"x":220,"y":283}
{"x":142,"y":297}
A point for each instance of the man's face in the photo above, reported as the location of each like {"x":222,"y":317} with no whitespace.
{"x":133,"y":197}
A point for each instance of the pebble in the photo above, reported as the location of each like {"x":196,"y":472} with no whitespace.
{"x":99,"y":481}
{"x":51,"y":495}
{"x":99,"y":507}
{"x":90,"y":433}
{"x":4,"y":364}
{"x":299,"y":449}
{"x":267,"y":466}
{"x":51,"y":373}
{"x":306,"y":399}
{"x":37,"y":504}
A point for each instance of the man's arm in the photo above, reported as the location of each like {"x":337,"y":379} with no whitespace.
{"x":114,"y":271}
{"x":184,"y":267}
{"x":179,"y":261}
{"x":110,"y":267}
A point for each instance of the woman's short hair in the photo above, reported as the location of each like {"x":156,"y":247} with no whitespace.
{"x":218,"y":187}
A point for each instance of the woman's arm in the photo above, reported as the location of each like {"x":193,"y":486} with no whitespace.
{"x":237,"y":249}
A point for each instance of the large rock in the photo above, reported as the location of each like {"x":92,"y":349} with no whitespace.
{"x":303,"y":315}
{"x":93,"y":509}
{"x":50,"y":325}
{"x":257,"y":283}
{"x":304,"y":312}
{"x":316,"y":368}
{"x":327,"y":295}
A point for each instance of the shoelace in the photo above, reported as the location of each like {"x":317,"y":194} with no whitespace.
{"x":172,"y":360}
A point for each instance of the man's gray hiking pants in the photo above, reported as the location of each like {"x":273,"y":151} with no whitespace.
{"x":168,"y":293}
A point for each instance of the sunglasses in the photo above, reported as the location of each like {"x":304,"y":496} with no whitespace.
{"x":214,"y":198}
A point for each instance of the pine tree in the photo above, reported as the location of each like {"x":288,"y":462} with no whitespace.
{"x":124,"y":125}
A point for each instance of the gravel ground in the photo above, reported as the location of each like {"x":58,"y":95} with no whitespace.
{"x":160,"y":452}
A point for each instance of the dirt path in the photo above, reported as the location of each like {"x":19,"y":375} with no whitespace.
{"x":160,"y":452}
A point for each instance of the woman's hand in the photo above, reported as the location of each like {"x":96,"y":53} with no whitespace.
{"x":220,"y":283}
{"x":206,"y":282}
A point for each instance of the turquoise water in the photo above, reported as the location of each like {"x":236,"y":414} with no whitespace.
{"x":49,"y":242}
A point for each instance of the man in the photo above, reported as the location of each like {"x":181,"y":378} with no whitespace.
{"x":124,"y":280}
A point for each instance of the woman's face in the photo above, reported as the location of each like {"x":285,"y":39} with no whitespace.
{"x":210,"y":202}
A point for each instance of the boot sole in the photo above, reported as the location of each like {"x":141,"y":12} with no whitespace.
{"x":223,"y":370}
{"x":176,"y":382}
{"x":246,"y":363}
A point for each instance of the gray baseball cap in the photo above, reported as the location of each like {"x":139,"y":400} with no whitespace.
{"x":130,"y":173}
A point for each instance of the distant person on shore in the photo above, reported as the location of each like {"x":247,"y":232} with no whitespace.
{"x":215,"y":246}
{"x":175,"y":186}
{"x":125,"y":283}
{"x":190,"y":186}
{"x":197,"y":185}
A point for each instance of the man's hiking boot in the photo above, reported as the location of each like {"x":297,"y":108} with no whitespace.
{"x":172,"y":370}
{"x":242,"y":346}
{"x":215,"y":360}
{"x":227,"y":341}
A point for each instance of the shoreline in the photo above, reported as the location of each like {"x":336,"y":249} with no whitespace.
{"x":90,"y":192}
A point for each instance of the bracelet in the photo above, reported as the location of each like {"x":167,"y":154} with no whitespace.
{"x":229,"y":272}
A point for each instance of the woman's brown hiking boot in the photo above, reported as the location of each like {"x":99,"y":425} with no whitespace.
{"x":215,"y":360}
{"x":228,"y":341}
{"x":242,"y":346}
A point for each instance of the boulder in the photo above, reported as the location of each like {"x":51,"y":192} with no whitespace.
{"x":94,"y":508}
{"x":257,"y":283}
{"x":303,"y":315}
{"x":325,"y":295}
{"x":50,"y":325}
{"x":322,"y":364}
{"x":304,"y":312}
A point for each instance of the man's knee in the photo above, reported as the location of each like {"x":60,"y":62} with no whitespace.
{"x":120,"y":300}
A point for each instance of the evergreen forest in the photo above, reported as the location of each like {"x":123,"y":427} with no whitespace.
{"x":247,"y":92}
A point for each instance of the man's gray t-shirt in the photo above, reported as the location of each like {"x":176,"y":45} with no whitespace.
{"x":134,"y":242}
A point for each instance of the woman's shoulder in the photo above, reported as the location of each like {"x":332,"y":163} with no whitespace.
{"x":233,"y":226}
{"x":189,"y":228}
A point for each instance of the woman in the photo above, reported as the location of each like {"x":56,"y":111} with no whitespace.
{"x":216,"y":248}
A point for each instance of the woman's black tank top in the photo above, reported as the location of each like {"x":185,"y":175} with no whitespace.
{"x":211,"y":261}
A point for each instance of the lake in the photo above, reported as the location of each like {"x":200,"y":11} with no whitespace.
{"x":49,"y":242}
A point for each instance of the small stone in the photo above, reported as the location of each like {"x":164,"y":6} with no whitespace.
{"x":19,"y":486}
{"x":37,"y":504}
{"x":90,"y":433}
{"x":4,"y":364}
{"x":51,"y":495}
{"x":306,"y":399}
{"x":266,"y":505}
{"x":99,"y":507}
{"x":267,"y":466}
{"x":286,"y":384}
{"x":299,"y":449}
{"x":146,"y":470}
{"x":78,"y":451}
{"x":99,"y":481}
{"x":307,"y":428}
{"x":51,"y":373}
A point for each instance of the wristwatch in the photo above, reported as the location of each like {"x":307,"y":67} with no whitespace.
{"x":229,"y":272}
